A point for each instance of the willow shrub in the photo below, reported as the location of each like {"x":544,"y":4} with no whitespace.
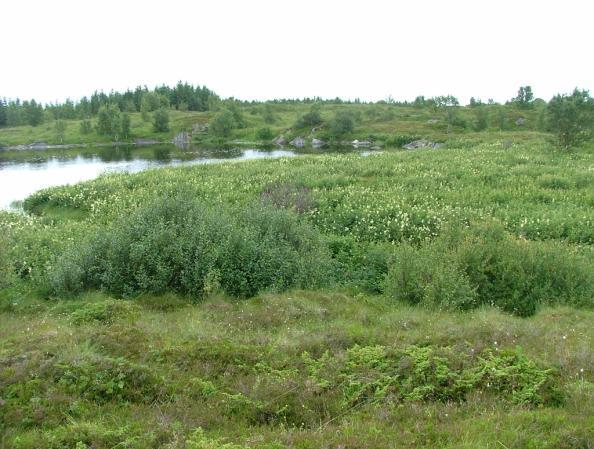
{"x":181,"y":245}
{"x":484,"y":265}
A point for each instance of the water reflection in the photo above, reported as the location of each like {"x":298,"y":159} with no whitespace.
{"x":24,"y":172}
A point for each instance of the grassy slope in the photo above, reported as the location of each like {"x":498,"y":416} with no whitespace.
{"x":374,"y":121}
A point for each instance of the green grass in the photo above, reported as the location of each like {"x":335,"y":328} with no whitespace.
{"x":100,"y":373}
{"x":376,"y":122}
{"x":405,"y":342}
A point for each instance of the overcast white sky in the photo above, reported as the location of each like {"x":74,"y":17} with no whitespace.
{"x":260,"y":49}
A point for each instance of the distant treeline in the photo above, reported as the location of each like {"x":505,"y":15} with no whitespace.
{"x":183,"y":96}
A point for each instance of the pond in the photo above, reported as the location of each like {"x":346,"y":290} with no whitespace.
{"x":26,"y":171}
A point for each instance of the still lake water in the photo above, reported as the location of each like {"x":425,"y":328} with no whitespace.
{"x":25,"y":172}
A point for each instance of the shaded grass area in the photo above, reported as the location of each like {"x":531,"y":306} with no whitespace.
{"x":300,"y":369}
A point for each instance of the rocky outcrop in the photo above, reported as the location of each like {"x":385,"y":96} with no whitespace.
{"x":298,"y":142}
{"x":141,"y":142}
{"x":422,"y":143}
{"x":182,"y":139}
{"x":280,"y":140}
{"x":361,"y":143}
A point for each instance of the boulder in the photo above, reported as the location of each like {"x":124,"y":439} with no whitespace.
{"x":422,"y":143}
{"x":141,"y":142}
{"x":280,"y":140}
{"x":361,"y":143}
{"x":298,"y":142}
{"x":317,"y":142}
{"x":520,"y":121}
{"x":182,"y":139}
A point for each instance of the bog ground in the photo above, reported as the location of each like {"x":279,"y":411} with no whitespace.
{"x":431,"y":298}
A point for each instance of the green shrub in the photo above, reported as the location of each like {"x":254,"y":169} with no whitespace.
{"x":104,"y":379}
{"x":105,"y":312}
{"x":223,"y":123}
{"x":264,"y":134}
{"x":185,"y":246}
{"x":571,"y":117}
{"x":465,"y":268}
{"x":311,"y":118}
{"x":516,"y":377}
{"x":431,"y":373}
{"x":161,"y":120}
{"x":342,"y":123}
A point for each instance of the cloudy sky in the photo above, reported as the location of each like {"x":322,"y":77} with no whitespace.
{"x":260,"y":49}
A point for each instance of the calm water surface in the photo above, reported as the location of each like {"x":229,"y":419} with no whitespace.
{"x":23,"y":173}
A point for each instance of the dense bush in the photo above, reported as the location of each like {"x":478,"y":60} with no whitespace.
{"x":223,"y":123}
{"x":264,"y":134}
{"x":465,"y":268}
{"x":185,"y":246}
{"x":311,"y":118}
{"x":571,"y":117}
{"x":161,"y":120}
{"x":342,"y":123}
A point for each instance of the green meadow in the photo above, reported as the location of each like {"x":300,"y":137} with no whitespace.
{"x":406,"y":299}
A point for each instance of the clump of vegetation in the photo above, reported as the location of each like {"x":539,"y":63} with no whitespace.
{"x":311,"y":118}
{"x":103,"y":379}
{"x":372,"y":374}
{"x":161,"y":120}
{"x":185,"y":246}
{"x":264,"y":134}
{"x":484,"y":265}
{"x":222,"y":124}
{"x":571,"y":117}
{"x":108,"y":121}
{"x":96,"y":312}
{"x":341,"y":124}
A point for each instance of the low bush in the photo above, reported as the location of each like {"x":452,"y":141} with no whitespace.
{"x":368,"y":374}
{"x":181,"y":245}
{"x":485,"y":265}
{"x":103,"y":379}
{"x":105,"y":312}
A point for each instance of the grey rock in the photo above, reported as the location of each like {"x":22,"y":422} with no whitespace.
{"x":361,"y":143}
{"x":298,"y":142}
{"x":145,"y":142}
{"x":317,"y":142}
{"x":182,"y":139}
{"x":520,"y":121}
{"x":422,"y":143}
{"x":280,"y":140}
{"x":432,"y":121}
{"x":39,"y":146}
